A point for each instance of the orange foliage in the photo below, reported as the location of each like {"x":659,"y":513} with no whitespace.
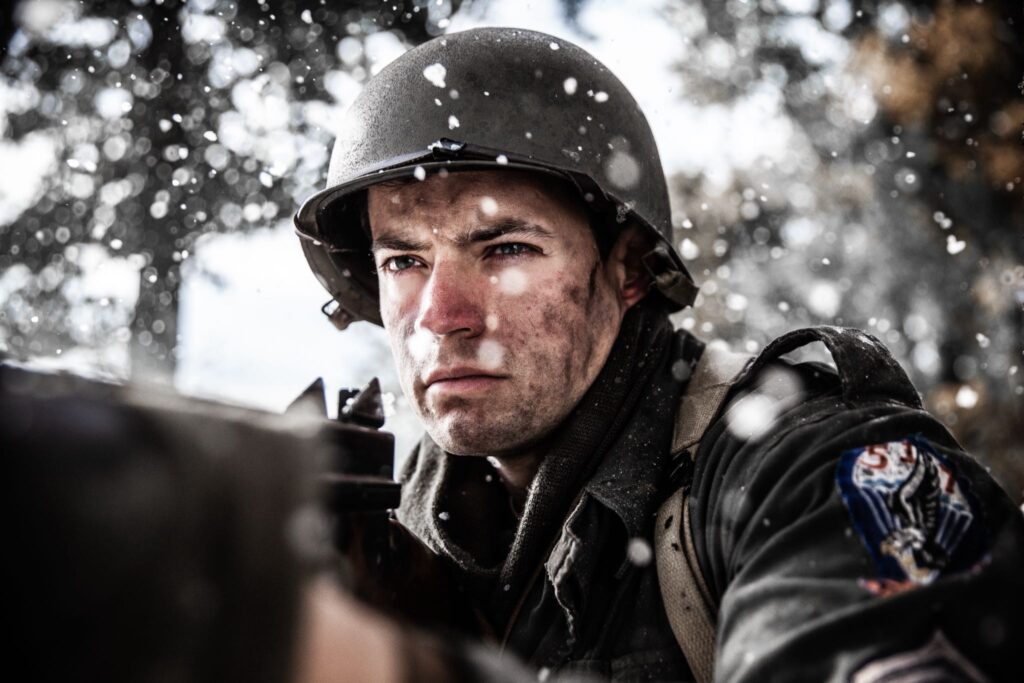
{"x":953,"y":57}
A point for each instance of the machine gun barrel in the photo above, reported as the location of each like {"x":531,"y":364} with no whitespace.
{"x":359,"y":476}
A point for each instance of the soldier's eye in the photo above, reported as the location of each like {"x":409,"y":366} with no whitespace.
{"x":397,"y":264}
{"x":510,"y":249}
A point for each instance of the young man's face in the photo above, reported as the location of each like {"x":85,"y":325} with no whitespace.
{"x":498,"y":307}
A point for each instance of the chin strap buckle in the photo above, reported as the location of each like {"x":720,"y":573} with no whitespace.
{"x":339,"y":316}
{"x":674,"y":284}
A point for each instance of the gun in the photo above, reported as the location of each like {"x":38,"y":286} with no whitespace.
{"x":376,"y":557}
{"x":381,"y":562}
{"x":360,"y":474}
{"x":107,"y":480}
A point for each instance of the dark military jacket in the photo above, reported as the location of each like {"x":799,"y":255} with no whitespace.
{"x":842,"y":532}
{"x":854,"y":539}
{"x":590,"y":605}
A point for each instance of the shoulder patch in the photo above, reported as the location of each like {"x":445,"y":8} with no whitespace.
{"x":912,"y":509}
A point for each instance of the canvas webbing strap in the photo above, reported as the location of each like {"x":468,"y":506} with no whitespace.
{"x":716,"y":372}
{"x":683,"y":589}
{"x":689,"y":610}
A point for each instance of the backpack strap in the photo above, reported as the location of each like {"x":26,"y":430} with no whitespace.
{"x":866,"y":370}
{"x":715,"y":374}
{"x":691,"y":613}
{"x":688,"y":603}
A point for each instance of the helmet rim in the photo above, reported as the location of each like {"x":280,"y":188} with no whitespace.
{"x":357,"y":163}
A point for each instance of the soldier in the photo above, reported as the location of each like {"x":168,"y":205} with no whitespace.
{"x":612,"y":496}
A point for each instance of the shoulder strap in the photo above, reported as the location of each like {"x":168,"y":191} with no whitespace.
{"x":866,"y":369}
{"x":687,"y":601}
{"x":686,"y":597}
{"x":715,"y":374}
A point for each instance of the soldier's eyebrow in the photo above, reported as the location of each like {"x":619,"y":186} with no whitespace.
{"x":397,"y":243}
{"x":502,"y":228}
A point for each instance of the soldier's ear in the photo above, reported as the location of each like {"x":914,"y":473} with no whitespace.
{"x":625,"y":265}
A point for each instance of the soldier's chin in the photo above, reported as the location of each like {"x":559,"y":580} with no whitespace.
{"x":469,"y":436}
{"x":462,"y":443}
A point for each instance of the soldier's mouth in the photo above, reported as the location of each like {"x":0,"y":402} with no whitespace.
{"x":462,"y":385}
{"x":460,"y":380}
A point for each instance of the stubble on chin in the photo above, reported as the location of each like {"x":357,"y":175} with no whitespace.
{"x":465,"y":426}
{"x":501,"y":424}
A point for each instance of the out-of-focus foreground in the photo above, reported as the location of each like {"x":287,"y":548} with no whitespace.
{"x":832,"y":161}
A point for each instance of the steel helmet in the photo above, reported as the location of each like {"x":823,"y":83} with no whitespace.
{"x":488,"y":98}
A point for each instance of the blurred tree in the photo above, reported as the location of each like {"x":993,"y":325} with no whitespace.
{"x":898,"y":205}
{"x":6,"y":25}
{"x":879,"y":185}
{"x":949,"y":82}
{"x":172,"y":119}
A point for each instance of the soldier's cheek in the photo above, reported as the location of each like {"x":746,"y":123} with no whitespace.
{"x":511,"y":299}
{"x":399,"y":295}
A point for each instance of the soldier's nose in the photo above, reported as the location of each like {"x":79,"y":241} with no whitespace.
{"x":450,"y":303}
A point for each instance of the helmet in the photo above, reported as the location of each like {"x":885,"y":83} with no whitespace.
{"x":489,"y":98}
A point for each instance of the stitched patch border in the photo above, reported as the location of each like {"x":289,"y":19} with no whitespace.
{"x":913,"y":511}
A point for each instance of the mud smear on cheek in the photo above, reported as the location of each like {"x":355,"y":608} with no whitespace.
{"x":591,"y":288}
{"x":577,"y":295}
{"x":553,"y":325}
{"x":557,"y":319}
{"x":584,"y":333}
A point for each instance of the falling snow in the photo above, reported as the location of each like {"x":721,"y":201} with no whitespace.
{"x":512,"y":281}
{"x":435,"y":73}
{"x":836,"y":191}
{"x":639,"y":552}
{"x":488,"y":206}
{"x":490,"y":354}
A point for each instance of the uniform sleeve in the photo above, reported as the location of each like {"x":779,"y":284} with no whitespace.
{"x":857,"y":543}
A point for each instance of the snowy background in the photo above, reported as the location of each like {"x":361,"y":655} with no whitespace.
{"x":831,"y":161}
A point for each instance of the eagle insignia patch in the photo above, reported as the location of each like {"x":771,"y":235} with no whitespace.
{"x":914,"y":513}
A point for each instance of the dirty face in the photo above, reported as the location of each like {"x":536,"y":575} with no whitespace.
{"x":499,"y":311}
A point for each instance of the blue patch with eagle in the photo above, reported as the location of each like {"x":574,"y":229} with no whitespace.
{"x":912,"y":509}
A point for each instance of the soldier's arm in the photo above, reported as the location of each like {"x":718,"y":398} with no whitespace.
{"x":831,"y":562}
